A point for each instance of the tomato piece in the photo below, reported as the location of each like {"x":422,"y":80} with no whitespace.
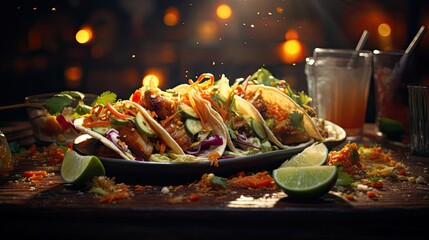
{"x":194,"y":196}
{"x":137,"y":96}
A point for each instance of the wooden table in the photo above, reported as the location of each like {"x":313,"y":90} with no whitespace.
{"x":50,"y":208}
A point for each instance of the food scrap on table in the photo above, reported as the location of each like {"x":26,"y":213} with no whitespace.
{"x":365,"y":168}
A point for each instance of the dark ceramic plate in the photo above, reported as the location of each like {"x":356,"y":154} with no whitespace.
{"x":156,"y":173}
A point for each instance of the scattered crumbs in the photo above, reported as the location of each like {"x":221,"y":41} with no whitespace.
{"x":421,"y":180}
{"x":362,"y":187}
{"x":165,"y":190}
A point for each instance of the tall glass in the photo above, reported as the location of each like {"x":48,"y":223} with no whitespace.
{"x":341,"y":86}
{"x":391,"y":96}
{"x":419,"y":119}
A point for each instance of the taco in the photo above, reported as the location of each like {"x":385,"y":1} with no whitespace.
{"x":264,"y":77}
{"x":247,"y":131}
{"x":187,"y":121}
{"x":285,"y":118}
{"x":124,"y":129}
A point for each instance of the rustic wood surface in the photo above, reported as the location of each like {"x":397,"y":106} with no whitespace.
{"x":54,"y":209}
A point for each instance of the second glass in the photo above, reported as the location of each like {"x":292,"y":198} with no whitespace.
{"x":340,"y":80}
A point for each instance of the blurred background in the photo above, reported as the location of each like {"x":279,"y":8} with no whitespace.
{"x":95,"y":46}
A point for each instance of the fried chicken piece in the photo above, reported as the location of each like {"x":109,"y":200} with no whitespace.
{"x":139,"y":144}
{"x":162,"y":106}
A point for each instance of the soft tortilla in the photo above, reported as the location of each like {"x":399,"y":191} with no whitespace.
{"x":275,"y":96}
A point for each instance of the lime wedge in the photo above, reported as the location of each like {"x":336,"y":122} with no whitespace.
{"x":390,"y":127}
{"x":306,"y":182}
{"x":314,"y":155}
{"x":79,"y":170}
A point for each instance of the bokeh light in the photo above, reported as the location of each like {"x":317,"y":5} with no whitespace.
{"x":84,"y":35}
{"x":384,"y":30}
{"x":73,"y":76}
{"x":153,"y":77}
{"x":292,"y":51}
{"x":207,"y":31}
{"x":223,"y":11}
{"x":171,"y":16}
{"x":291,"y":34}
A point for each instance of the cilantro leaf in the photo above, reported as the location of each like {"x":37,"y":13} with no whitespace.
{"x":354,"y":155}
{"x":344,"y":178}
{"x":57,"y":103}
{"x":219,"y":181}
{"x":105,"y":97}
{"x":297,"y":120}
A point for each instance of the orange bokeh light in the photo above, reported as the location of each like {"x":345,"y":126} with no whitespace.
{"x":153,"y":77}
{"x":292,"y":51}
{"x":84,"y":35}
{"x":384,"y":30}
{"x":171,"y":16}
{"x":223,"y":11}
{"x":291,"y":34}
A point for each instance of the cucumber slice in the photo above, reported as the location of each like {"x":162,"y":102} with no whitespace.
{"x":100,"y":130}
{"x":193,"y":126}
{"x":116,"y":122}
{"x":258,"y":129}
{"x":143,"y":126}
{"x":187,"y":111}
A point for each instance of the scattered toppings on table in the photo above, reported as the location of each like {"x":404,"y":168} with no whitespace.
{"x":109,"y":191}
{"x":364,"y":171}
{"x":365,"y":168}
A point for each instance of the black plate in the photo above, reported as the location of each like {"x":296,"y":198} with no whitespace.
{"x":157,"y":173}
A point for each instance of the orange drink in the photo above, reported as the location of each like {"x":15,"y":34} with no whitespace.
{"x":341,"y":86}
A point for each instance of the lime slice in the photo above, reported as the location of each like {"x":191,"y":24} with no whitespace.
{"x":78,"y":169}
{"x":306,"y":182}
{"x":390,"y":127}
{"x":314,"y":155}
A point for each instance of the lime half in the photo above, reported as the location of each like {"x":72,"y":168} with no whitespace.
{"x":306,"y":182}
{"x":78,"y":169}
{"x":390,"y":128}
{"x":314,"y":155}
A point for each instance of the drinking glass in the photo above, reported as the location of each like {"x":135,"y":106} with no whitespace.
{"x":419,"y":119}
{"x":391,"y":95}
{"x":340,"y":80}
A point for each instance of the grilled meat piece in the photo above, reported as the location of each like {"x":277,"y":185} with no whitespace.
{"x":289,"y":135}
{"x":240,"y":124}
{"x":140,"y":145}
{"x":162,"y":106}
{"x":259,"y":103}
{"x":179,"y":134}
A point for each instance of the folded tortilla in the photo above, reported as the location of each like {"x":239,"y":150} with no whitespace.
{"x":215,"y":127}
{"x":284,"y":103}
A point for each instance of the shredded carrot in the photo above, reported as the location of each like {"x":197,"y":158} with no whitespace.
{"x":215,"y":105}
{"x":131,"y":112}
{"x":203,"y":85}
{"x":165,"y":121}
{"x":97,"y":124}
{"x":162,"y":148}
{"x":214,"y":157}
{"x":114,"y":196}
{"x":116,"y":112}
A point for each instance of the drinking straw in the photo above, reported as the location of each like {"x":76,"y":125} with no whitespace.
{"x":412,"y":45}
{"x":359,"y":46}
{"x":400,"y":65}
{"x":362,"y":40}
